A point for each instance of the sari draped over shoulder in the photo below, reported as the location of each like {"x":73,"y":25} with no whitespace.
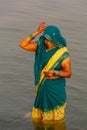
{"x":50,"y":101}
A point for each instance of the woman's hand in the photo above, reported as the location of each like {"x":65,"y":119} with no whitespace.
{"x":27,"y":43}
{"x":50,"y":74}
{"x":41,"y":27}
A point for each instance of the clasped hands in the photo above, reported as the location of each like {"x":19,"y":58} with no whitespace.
{"x":50,"y":74}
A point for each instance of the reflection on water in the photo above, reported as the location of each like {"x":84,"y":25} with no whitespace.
{"x":49,"y":125}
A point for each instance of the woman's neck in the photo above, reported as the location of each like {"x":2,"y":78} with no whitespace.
{"x":51,"y":46}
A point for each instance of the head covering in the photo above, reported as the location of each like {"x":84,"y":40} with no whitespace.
{"x":52,"y":33}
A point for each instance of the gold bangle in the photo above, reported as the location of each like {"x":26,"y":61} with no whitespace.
{"x":56,"y":73}
{"x":31,"y":37}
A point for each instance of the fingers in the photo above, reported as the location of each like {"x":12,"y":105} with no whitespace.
{"x":49,"y":73}
{"x":43,"y":25}
{"x":52,"y":77}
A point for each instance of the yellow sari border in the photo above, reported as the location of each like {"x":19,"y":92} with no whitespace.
{"x":55,"y":114}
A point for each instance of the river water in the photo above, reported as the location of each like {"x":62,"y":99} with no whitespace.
{"x":19,"y":18}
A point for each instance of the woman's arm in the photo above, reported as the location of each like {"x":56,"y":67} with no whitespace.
{"x":27,"y":43}
{"x":66,"y":71}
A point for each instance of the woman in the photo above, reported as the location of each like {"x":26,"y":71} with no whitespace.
{"x":52,"y":66}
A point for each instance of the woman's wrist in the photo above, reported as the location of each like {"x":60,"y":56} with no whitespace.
{"x":31,"y":37}
{"x":56,"y":73}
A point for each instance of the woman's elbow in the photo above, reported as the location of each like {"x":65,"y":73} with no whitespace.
{"x":69,"y":75}
{"x":21,"y":45}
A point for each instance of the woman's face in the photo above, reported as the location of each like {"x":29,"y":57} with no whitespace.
{"x":47,"y":42}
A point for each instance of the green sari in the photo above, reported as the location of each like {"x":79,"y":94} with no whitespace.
{"x":50,"y":100}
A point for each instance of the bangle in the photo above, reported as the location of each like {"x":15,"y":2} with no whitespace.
{"x":56,"y":73}
{"x":31,"y":37}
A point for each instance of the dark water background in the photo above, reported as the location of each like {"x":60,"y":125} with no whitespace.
{"x":19,"y":18}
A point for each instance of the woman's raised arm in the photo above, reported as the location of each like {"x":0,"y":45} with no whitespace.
{"x":27,"y":43}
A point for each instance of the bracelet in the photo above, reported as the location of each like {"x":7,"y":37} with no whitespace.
{"x":31,"y":37}
{"x":56,"y":73}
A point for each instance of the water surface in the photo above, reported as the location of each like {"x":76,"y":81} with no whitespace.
{"x":19,"y":19}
